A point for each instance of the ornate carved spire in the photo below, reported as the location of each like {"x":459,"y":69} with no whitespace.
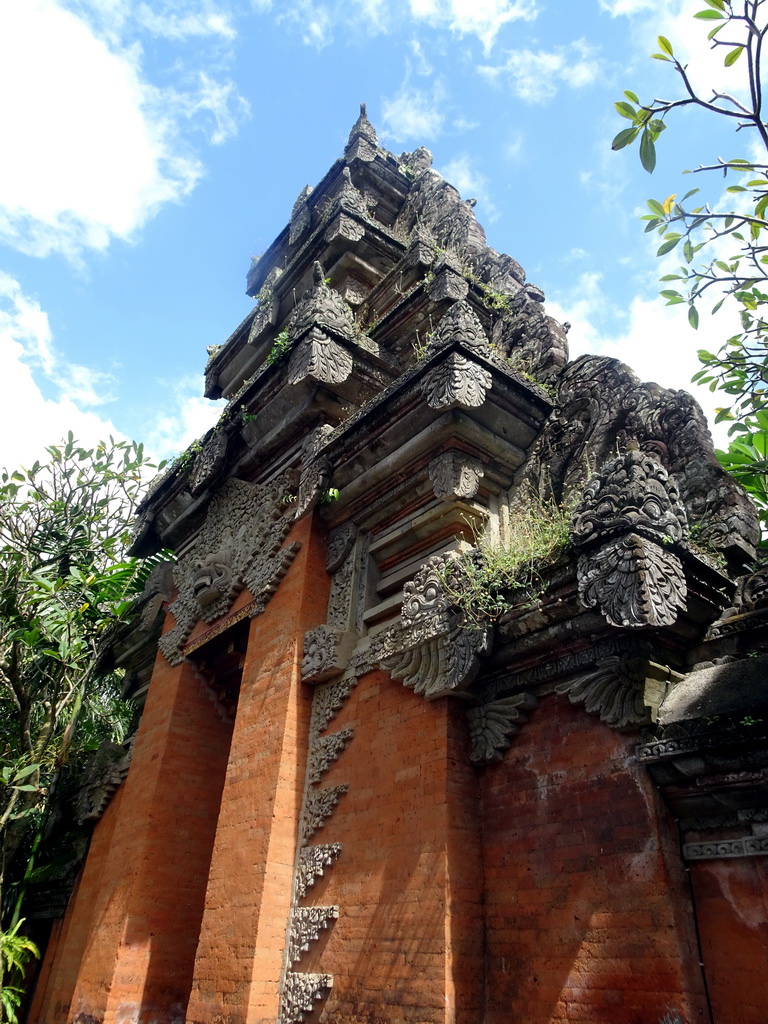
{"x":363,"y":129}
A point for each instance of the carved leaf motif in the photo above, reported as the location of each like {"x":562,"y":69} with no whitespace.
{"x":340,"y":542}
{"x":320,"y":357}
{"x":325,"y":750}
{"x":312,"y":862}
{"x":300,"y":993}
{"x":461,"y":323}
{"x":439,"y":666}
{"x":319,"y":805}
{"x":492,"y":726}
{"x":456,"y":380}
{"x":323,"y":308}
{"x":614,"y":691}
{"x":327,"y":700}
{"x":633,"y":582}
{"x":423,"y":596}
{"x":455,"y":475}
{"x":306,"y":925}
{"x":326,"y":651}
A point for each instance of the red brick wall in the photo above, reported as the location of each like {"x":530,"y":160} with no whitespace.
{"x":131,"y":931}
{"x":588,"y":917}
{"x":242,"y":939}
{"x":408,"y":942}
{"x":733,"y":925}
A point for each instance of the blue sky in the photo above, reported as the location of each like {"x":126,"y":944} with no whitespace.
{"x":150,"y":149}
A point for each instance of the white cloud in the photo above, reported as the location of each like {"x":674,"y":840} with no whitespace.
{"x":187,"y":416}
{"x":470,"y":182}
{"x":413,"y":114}
{"x":28,"y":420}
{"x":482,"y":18}
{"x":316,"y":22}
{"x":535,"y":77}
{"x":617,"y":7}
{"x":93,"y":158}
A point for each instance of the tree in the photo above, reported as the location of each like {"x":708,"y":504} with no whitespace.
{"x":725,"y":248}
{"x":65,"y":583}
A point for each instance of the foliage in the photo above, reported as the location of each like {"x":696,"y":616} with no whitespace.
{"x":65,"y":584}
{"x":281,"y":349}
{"x":484,"y":582}
{"x":15,"y":953}
{"x":724,"y":249}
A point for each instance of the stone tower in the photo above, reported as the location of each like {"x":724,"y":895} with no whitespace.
{"x":385,"y":770}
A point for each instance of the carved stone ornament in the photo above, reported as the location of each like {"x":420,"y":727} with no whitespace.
{"x":327,"y":700}
{"x":349,"y":198}
{"x":324,"y":751}
{"x":313,"y":860}
{"x":427,"y":649}
{"x":629,"y":511}
{"x":461,"y":323}
{"x":209,"y":462}
{"x":157,"y":590}
{"x":319,"y":805}
{"x":363,"y":142}
{"x":752,"y":591}
{"x":106,"y":770}
{"x":615,"y":691}
{"x":455,"y":475}
{"x":300,"y":993}
{"x":300,"y":216}
{"x":456,"y":380}
{"x":340,"y":543}
{"x":326,"y":653}
{"x":748,"y":846}
{"x":321,"y":358}
{"x":306,"y":925}
{"x":239,"y":545}
{"x":315,"y":471}
{"x":492,"y":726}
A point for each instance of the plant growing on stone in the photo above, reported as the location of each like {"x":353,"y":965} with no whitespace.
{"x":494,"y":575}
{"x":281,"y":349}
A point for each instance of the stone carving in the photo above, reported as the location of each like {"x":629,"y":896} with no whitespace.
{"x":157,"y":590}
{"x":429,"y":650}
{"x":327,"y":700}
{"x":441,"y":665}
{"x":341,"y":605}
{"x":300,"y":216}
{"x":492,"y":726}
{"x":340,"y":543}
{"x":267,"y":310}
{"x":312,"y":863}
{"x":300,"y":993}
{"x":209,"y":462}
{"x":602,"y":404}
{"x":320,"y":331}
{"x":324,"y":751}
{"x":321,"y":358}
{"x":326,"y":652}
{"x":349,"y":198}
{"x":456,"y":380}
{"x":460,"y":323}
{"x":423,"y":596}
{"x":628,"y":512}
{"x":363,"y":142}
{"x":749,"y":846}
{"x":752,"y":591}
{"x":319,"y":805}
{"x":106,"y":771}
{"x":615,"y":691}
{"x":455,"y":475}
{"x":315,"y":471}
{"x":239,"y":545}
{"x":306,"y":925}
{"x":436,"y":205}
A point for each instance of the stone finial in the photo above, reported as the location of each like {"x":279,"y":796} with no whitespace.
{"x":363,"y":129}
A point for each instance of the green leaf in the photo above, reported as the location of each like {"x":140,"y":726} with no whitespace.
{"x":626,"y":110}
{"x":689,"y":194}
{"x":668,"y":245}
{"x":688,"y":250}
{"x":624,"y":138}
{"x":709,"y":15}
{"x":647,"y":151}
{"x":665,"y":45}
{"x":631,"y":96}
{"x":713,"y":32}
{"x":655,"y":207}
{"x":693,"y":316}
{"x":659,"y":56}
{"x":733,"y":56}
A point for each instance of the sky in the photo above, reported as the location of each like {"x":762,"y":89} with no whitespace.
{"x":149,"y":150}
